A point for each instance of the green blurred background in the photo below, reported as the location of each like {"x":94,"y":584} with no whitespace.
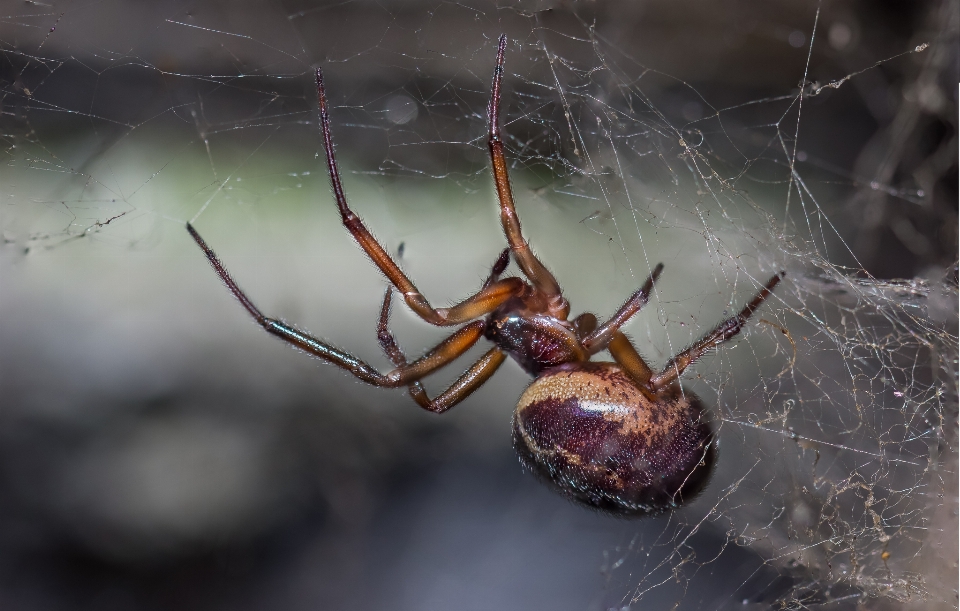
{"x":158,"y":450}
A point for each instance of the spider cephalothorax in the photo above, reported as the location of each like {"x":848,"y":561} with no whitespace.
{"x":616,"y":436}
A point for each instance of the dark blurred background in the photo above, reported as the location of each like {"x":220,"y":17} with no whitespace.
{"x":157,"y":450}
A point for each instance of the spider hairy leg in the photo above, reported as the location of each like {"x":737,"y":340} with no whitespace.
{"x":299,"y":339}
{"x":485,"y":301}
{"x":602,"y":336}
{"x":471,"y":379}
{"x":632,"y":363}
{"x":723,"y":332}
{"x":390,"y":347}
{"x":452,"y":347}
{"x":226,"y":278}
{"x":446,"y":351}
{"x":385,"y":336}
{"x":532,"y":268}
{"x":501,"y":264}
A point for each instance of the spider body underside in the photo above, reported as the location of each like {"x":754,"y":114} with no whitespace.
{"x":616,"y":436}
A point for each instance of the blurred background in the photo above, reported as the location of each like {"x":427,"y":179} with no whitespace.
{"x":159,"y":450}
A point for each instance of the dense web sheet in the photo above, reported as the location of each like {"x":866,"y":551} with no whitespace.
{"x":837,"y":408}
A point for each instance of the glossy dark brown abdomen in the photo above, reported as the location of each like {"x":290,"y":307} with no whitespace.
{"x":588,"y":429}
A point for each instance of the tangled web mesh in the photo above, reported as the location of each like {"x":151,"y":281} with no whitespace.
{"x":837,"y":411}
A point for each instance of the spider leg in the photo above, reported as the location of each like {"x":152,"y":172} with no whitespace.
{"x":472,"y":379}
{"x":532,"y":268}
{"x":390,"y":347}
{"x":448,"y":350}
{"x":455,"y":345}
{"x":389,"y":343}
{"x":385,"y":337}
{"x":301,"y":340}
{"x":603,"y":335}
{"x":479,"y":373}
{"x":631,"y":362}
{"x":483,"y":302}
{"x":443,"y":353}
{"x":724,"y":331}
{"x":585,"y":324}
{"x":501,"y":264}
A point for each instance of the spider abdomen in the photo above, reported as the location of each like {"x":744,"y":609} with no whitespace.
{"x":588,"y":429}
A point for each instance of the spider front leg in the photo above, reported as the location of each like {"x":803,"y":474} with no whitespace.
{"x":603,"y":335}
{"x":288,"y":334}
{"x":471,"y":379}
{"x":452,"y":347}
{"x":389,"y":343}
{"x":724,"y":331}
{"x":448,"y":350}
{"x":483,"y":302}
{"x":532,"y":268}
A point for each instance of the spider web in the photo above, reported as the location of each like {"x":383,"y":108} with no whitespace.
{"x":729,"y":143}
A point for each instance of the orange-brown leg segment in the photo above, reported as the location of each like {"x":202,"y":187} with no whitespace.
{"x":472,"y":379}
{"x":446,"y":351}
{"x":631,"y":362}
{"x":533,"y":269}
{"x":479,"y":304}
{"x":629,"y":359}
{"x":598,"y":340}
{"x":724,"y":331}
{"x":479,"y":373}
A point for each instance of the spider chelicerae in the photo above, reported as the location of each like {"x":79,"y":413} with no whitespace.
{"x":616,"y":436}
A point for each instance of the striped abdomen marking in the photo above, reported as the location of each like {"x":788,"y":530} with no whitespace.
{"x":588,"y":429}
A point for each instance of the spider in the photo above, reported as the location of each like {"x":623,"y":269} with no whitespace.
{"x":616,"y":436}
